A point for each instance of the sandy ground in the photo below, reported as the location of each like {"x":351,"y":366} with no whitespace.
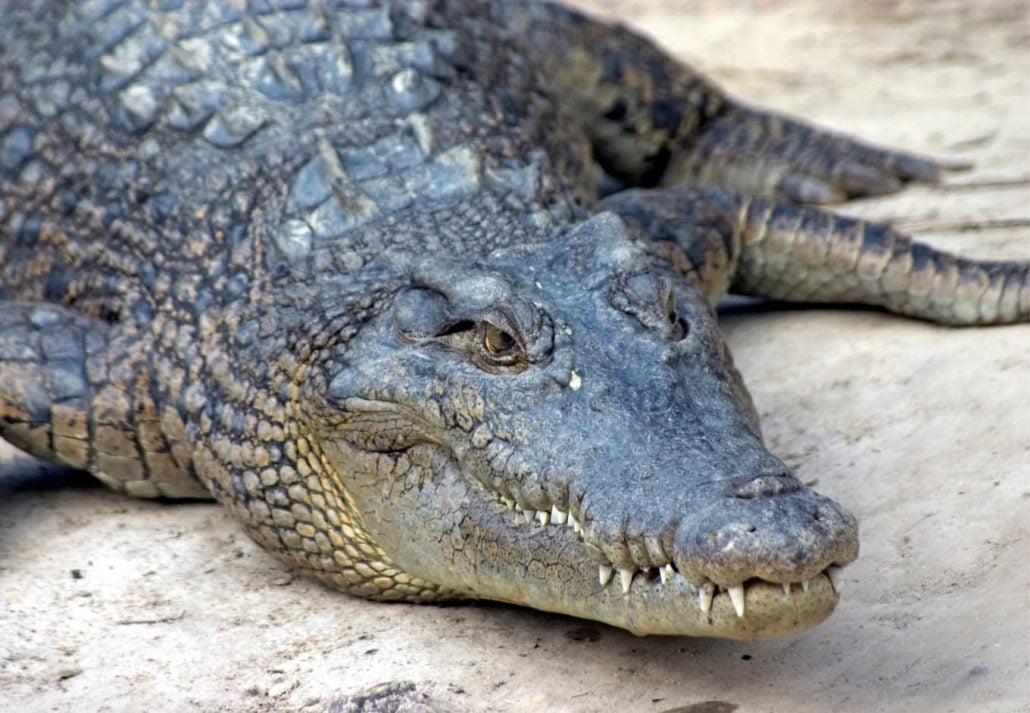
{"x":109,"y":604}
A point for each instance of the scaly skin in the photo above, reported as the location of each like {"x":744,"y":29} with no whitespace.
{"x":727,"y":241}
{"x":348,"y":271}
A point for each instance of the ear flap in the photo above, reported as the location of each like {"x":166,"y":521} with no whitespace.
{"x":68,"y":395}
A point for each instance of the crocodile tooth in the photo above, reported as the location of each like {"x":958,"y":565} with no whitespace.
{"x":572,"y":522}
{"x":833,"y":572}
{"x":786,"y":589}
{"x":737,"y":597}
{"x":518,"y":507}
{"x":604,"y":574}
{"x":508,"y":503}
{"x":527,"y":515}
{"x":704,"y":596}
{"x":626,"y":578}
{"x":558,"y":517}
{"x":543,"y":516}
{"x":666,"y":572}
{"x":804,"y":584}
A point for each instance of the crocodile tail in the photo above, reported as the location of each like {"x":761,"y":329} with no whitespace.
{"x":797,"y":253}
{"x":70,"y":395}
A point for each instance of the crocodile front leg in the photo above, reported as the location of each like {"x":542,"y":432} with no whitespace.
{"x":72,"y":392}
{"x":726,"y":241}
{"x":765,"y":153}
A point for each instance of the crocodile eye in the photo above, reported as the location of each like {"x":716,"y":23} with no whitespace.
{"x":496,"y":342}
{"x":492,"y":348}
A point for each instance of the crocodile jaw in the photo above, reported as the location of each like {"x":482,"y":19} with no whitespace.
{"x":478,"y":546}
{"x":660,"y":600}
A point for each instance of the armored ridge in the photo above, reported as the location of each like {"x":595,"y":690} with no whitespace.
{"x":336,"y":266}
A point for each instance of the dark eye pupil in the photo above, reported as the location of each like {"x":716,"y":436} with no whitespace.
{"x":497,"y":341}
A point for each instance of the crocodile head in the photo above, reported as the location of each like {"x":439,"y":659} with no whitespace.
{"x":561,"y":426}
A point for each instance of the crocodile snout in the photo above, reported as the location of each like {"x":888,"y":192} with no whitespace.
{"x":771,"y":527}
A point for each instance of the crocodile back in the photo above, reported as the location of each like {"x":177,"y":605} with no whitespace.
{"x":149,"y":148}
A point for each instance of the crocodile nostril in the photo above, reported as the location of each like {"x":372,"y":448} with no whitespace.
{"x":763,"y":486}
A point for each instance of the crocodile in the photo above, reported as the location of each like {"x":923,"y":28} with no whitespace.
{"x":424,"y":294}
